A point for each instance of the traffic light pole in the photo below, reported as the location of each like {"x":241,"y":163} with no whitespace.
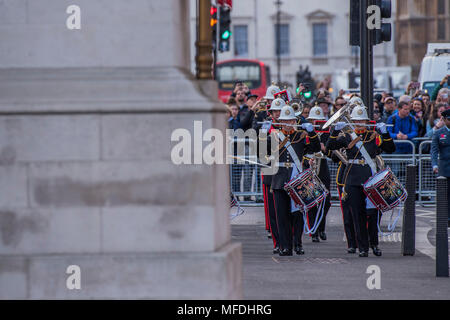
{"x":366,"y":62}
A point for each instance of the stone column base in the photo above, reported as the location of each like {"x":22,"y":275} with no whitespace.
{"x":215,"y":275}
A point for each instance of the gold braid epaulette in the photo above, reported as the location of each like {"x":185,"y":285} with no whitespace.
{"x":355,"y":141}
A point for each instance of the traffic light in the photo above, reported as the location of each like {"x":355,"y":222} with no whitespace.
{"x":224,"y":28}
{"x":304,"y":77}
{"x":214,"y":24}
{"x":384,"y":33}
{"x":354,"y":23}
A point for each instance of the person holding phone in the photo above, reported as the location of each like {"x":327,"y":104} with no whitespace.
{"x":442,"y":84}
{"x":440,"y":153}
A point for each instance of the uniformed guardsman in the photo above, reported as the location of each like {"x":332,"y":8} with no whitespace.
{"x":349,"y":228}
{"x":320,"y":165}
{"x":440,"y":153}
{"x":361,"y":152}
{"x":293,"y":145}
{"x":269,"y":206}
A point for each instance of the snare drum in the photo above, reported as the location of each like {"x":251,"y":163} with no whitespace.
{"x":306,"y":190}
{"x":384,"y":190}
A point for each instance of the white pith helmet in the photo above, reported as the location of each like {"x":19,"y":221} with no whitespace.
{"x":316,"y":113}
{"x":277,"y":104}
{"x":356,"y":100}
{"x":359,"y":112}
{"x":271,"y":91}
{"x":287,"y":113}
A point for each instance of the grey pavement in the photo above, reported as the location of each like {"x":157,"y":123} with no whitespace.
{"x":327,"y":271}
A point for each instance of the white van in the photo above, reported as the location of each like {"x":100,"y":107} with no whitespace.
{"x":435,"y":66}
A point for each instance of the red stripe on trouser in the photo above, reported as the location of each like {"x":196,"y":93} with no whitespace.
{"x":276,"y":218}
{"x":266,"y":208}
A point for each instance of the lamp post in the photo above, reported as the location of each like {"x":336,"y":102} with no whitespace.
{"x":278,"y":3}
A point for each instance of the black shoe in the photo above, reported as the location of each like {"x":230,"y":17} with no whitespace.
{"x":259,"y":200}
{"x":285,"y":252}
{"x":351,"y":250}
{"x":248,"y":198}
{"x":276,"y":250}
{"x":315,"y":239}
{"x":363,"y":254}
{"x":376,"y":251}
{"x":299,"y":250}
{"x":323,"y":235}
{"x":269,"y":235}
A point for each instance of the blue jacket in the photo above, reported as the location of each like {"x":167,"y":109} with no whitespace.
{"x":234,"y":123}
{"x":407,"y":126}
{"x":440,"y":149}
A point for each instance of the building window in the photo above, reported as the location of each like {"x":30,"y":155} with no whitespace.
{"x":320,"y":39}
{"x":441,"y":7}
{"x":283,"y":44}
{"x":441,"y":29}
{"x":240,"y":40}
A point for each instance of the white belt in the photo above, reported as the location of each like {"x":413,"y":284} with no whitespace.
{"x":358,"y":161}
{"x":285,"y":164}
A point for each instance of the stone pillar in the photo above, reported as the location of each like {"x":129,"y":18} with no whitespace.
{"x":86,"y":118}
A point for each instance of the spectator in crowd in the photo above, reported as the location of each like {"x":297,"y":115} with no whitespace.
{"x":389,"y":107}
{"x":418,"y":108}
{"x":426,"y":100}
{"x":440,"y":153}
{"x":305,"y":112}
{"x":405,"y":98}
{"x":241,"y":99}
{"x":325,"y":105}
{"x":233,"y":121}
{"x":438,"y":89}
{"x":404,"y":127}
{"x":442,"y":96}
{"x":376,"y":111}
{"x":339,"y":103}
{"x":435,"y":122}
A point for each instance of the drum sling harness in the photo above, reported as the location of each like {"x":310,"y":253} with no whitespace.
{"x":298,"y":164}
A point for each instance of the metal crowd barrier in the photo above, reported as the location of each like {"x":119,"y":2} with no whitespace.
{"x":246,"y":183}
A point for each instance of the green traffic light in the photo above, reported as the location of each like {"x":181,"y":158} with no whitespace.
{"x":226,"y":35}
{"x":307,"y":95}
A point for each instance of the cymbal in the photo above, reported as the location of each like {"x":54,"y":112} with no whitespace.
{"x":336,"y":116}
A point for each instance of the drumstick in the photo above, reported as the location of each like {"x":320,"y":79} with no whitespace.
{"x":250,"y":161}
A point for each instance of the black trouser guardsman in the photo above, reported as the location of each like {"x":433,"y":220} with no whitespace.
{"x":293,"y":145}
{"x":349,"y":227}
{"x":324,"y":176}
{"x":269,"y":202}
{"x":358,"y":170}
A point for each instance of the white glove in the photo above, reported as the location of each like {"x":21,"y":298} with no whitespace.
{"x":382,"y":127}
{"x":340,"y":125}
{"x":308,"y":127}
{"x":266,"y":126}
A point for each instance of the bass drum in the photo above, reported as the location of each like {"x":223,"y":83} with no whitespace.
{"x":306,"y":190}
{"x":385,"y":191}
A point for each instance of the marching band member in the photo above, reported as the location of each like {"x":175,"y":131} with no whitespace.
{"x":323,"y":172}
{"x":269,"y":206}
{"x":293,"y":145}
{"x":361,"y":153}
{"x":349,"y":228}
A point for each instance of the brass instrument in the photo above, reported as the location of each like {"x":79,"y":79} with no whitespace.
{"x":298,"y":108}
{"x":262,"y":106}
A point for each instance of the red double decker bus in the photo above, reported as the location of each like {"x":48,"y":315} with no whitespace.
{"x":254,"y":73}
